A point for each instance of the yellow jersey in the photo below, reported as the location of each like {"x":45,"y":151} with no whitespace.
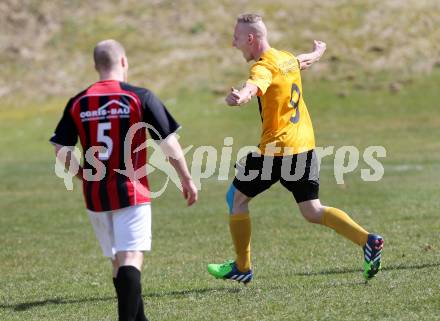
{"x":286,"y":123}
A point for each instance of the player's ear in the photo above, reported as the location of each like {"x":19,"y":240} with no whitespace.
{"x":250,"y":38}
{"x":123,"y":61}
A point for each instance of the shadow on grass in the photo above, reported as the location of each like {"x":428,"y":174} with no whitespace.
{"x":385,"y":268}
{"x":33,"y":304}
{"x":190,"y":292}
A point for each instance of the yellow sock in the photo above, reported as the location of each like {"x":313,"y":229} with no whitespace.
{"x":240,"y":227}
{"x":344,"y":225}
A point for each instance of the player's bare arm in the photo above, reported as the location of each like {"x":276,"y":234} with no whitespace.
{"x":70,"y":161}
{"x":172,"y":149}
{"x":239,"y":97}
{"x":307,"y":59}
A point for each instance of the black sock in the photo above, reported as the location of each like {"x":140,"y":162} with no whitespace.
{"x":128,"y":289}
{"x":141,"y":314}
{"x":114,"y":283}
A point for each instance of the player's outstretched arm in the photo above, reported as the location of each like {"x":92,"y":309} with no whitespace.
{"x":307,"y":59}
{"x":172,"y":149}
{"x":239,"y":97}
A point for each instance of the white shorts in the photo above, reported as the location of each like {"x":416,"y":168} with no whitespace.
{"x":125,"y":229}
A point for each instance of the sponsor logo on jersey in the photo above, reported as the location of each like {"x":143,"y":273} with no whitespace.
{"x":113,"y":109}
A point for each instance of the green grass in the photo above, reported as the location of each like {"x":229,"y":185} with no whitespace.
{"x":52,"y":269}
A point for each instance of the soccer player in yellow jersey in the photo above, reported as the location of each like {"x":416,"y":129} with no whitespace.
{"x":286,"y":150}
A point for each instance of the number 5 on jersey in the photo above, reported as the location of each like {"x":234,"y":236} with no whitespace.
{"x":106,"y":140}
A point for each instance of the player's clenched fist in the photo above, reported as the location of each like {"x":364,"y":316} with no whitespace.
{"x":319,"y":46}
{"x":233,"y":98}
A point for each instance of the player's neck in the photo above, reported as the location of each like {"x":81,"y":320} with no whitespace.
{"x":111,"y":76}
{"x":262,"y":48}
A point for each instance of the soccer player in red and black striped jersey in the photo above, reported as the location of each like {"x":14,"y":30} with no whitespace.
{"x":110,"y":118}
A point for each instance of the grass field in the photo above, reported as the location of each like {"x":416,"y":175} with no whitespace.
{"x":51,"y":267}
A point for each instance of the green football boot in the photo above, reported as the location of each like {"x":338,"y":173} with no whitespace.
{"x":372,"y":255}
{"x":229,"y":271}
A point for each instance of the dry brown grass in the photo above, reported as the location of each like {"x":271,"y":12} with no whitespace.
{"x":45,"y":46}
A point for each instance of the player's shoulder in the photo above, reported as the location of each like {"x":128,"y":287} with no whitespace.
{"x":272,"y":58}
{"x":140,"y":91}
{"x":145,"y":95}
{"x":286,"y":53}
{"x":285,"y":61}
{"x":76,"y":97}
{"x":263,"y":63}
{"x":281,"y":56}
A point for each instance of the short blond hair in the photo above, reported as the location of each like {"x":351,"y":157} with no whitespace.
{"x":249,"y":18}
{"x":254,"y":24}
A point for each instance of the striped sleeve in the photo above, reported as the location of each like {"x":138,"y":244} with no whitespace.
{"x":66,"y":133}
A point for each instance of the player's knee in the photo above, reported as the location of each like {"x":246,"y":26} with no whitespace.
{"x":312,"y":212}
{"x":311,"y":217}
{"x":230,"y":195}
{"x":130,"y":258}
{"x":237,"y":201}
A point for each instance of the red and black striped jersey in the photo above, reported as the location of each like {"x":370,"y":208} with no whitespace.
{"x":101,"y":116}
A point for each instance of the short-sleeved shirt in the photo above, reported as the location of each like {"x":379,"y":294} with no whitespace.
{"x":101,"y":116}
{"x":285,"y":119}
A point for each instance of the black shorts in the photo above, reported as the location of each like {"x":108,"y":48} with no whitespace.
{"x":298,"y":173}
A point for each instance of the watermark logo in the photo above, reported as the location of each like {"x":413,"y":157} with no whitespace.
{"x":209,"y":162}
